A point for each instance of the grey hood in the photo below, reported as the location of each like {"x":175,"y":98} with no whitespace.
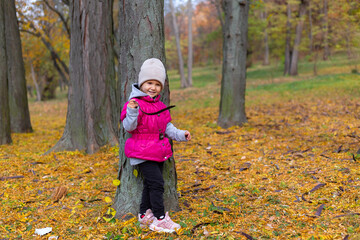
{"x":136,"y":92}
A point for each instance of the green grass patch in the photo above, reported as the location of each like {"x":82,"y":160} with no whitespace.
{"x":347,"y":83}
{"x":201,"y":76}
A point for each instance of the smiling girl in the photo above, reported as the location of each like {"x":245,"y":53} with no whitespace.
{"x":149,"y":121}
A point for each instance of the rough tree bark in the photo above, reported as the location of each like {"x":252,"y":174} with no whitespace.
{"x":90,"y":123}
{"x":178,"y":47}
{"x":297,"y":41}
{"x":233,"y":83}
{"x":190,"y":45}
{"x":5,"y":131}
{"x":141,"y":34}
{"x":18,"y":102}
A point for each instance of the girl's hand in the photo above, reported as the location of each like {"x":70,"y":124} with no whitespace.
{"x":188,"y":135}
{"x":133,"y":104}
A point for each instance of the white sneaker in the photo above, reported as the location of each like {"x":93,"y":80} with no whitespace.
{"x":164,"y":225}
{"x":147,"y":219}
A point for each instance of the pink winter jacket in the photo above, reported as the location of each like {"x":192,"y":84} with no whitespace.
{"x":148,"y":141}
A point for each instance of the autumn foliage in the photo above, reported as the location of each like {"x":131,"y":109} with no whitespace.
{"x":291,"y":172}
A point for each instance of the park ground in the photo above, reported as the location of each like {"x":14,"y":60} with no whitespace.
{"x":291,"y":172}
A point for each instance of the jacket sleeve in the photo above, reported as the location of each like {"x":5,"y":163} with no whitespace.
{"x":174,"y":133}
{"x":129,"y":117}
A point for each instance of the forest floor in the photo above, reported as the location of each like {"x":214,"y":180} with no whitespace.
{"x":291,"y":172}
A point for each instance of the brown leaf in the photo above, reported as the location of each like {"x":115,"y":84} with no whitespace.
{"x":339,"y":149}
{"x":319,"y":210}
{"x":304,"y":199}
{"x":199,"y":225}
{"x":59,"y":193}
{"x":247,"y":236}
{"x":353,"y":156}
{"x":245,"y":166}
{"x":317,"y":187}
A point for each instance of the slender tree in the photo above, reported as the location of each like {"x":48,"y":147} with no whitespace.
{"x":263,"y":16}
{"x":141,"y":34}
{"x":288,"y":52}
{"x":190,"y":45}
{"x":325,"y":30}
{"x":18,"y":102}
{"x":296,"y":48}
{"x":233,"y":83}
{"x":5,"y":131}
{"x":178,"y":47}
{"x":219,"y":12}
{"x":34,"y":78}
{"x":310,"y":28}
{"x":90,"y":121}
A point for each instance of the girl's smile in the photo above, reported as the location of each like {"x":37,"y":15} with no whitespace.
{"x":151,"y":88}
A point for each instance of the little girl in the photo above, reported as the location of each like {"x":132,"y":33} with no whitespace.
{"x":149,"y":122}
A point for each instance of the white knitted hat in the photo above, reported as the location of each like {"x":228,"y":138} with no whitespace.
{"x":154,"y":69}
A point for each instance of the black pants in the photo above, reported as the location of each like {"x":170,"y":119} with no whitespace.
{"x":152,"y":195}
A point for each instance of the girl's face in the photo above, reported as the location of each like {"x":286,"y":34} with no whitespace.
{"x":151,"y":88}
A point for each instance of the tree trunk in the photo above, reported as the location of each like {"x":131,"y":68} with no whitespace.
{"x":190,"y":45}
{"x":33,"y":75}
{"x":310,"y":29}
{"x":299,"y":28}
{"x":233,"y":84}
{"x":267,"y":52}
{"x":219,"y":13}
{"x":5,"y":131}
{"x":315,"y":61}
{"x":49,"y":87}
{"x":90,"y":122}
{"x":141,"y":32}
{"x":178,"y":47}
{"x":326,"y":30}
{"x":287,"y":40}
{"x":263,"y":16}
{"x":18,"y":102}
{"x":347,"y":41}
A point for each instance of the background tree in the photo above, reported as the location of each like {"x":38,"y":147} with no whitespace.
{"x":217,"y":4}
{"x":141,"y":34}
{"x":90,"y":122}
{"x":178,"y":47}
{"x":310,"y":27}
{"x":18,"y":102}
{"x":325,"y":30}
{"x":46,"y":42}
{"x":263,"y":17}
{"x":5,"y":131}
{"x":288,"y":49}
{"x":233,"y":83}
{"x":190,"y":45}
{"x":299,"y":27}
{"x":344,"y":20}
